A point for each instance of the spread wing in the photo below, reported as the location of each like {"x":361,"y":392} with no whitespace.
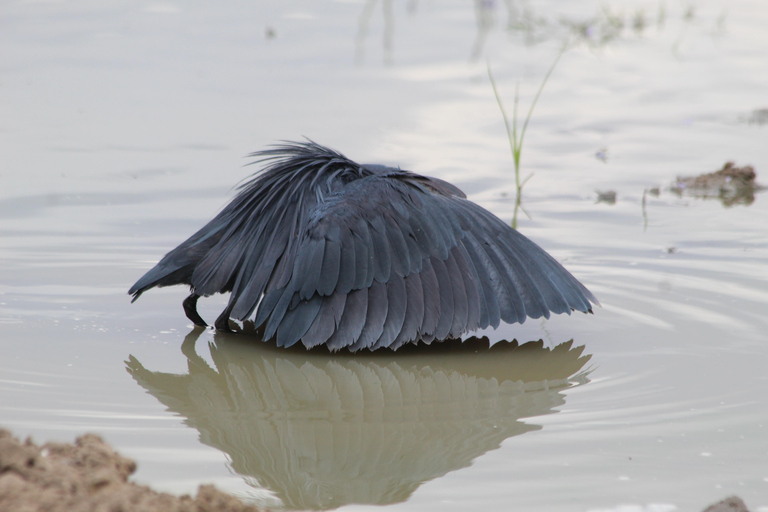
{"x":396,"y":257}
{"x":328,"y":251}
{"x":253,"y":239}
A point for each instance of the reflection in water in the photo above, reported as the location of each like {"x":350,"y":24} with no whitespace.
{"x":598,"y":30}
{"x":321,"y":431}
{"x":485,"y":17}
{"x":362,"y":30}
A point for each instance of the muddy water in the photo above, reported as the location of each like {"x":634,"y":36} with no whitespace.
{"x":123,"y":129}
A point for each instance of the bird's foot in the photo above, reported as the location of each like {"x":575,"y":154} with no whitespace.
{"x":222,"y":323}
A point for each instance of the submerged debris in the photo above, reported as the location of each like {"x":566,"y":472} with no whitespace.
{"x":731,"y":184}
{"x":607,"y":197}
{"x":758,"y":116}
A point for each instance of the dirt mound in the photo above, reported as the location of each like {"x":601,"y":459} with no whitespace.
{"x":88,"y":476}
{"x":731,"y":184}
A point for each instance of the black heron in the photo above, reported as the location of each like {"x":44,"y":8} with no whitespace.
{"x":327,"y":251}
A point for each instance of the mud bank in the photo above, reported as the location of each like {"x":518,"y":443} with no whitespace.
{"x":88,"y":476}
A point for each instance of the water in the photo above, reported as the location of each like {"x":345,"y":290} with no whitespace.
{"x":123,"y":129}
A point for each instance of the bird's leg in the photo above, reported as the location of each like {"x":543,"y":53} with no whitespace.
{"x":222,"y":323}
{"x":190,"y":309}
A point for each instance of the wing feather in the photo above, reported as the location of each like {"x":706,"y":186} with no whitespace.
{"x":396,"y":307}
{"x":362,"y":262}
{"x":308,"y":266}
{"x":348,"y":264}
{"x":352,"y":321}
{"x":329,"y":272}
{"x":414,"y":313}
{"x":326,"y":321}
{"x":490,"y":289}
{"x":431,"y":296}
{"x":401,"y":259}
{"x":382,"y":257}
{"x":375,"y":318}
{"x":469,"y":278}
{"x":460,"y":306}
{"x":445,"y":317}
{"x":297,"y":321}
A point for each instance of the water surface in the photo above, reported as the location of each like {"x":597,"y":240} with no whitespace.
{"x":123,"y":130}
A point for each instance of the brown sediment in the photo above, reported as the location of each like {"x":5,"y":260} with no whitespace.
{"x":744,"y":176}
{"x":729,"y":504}
{"x":88,"y":476}
{"x":607,"y":196}
{"x":731,"y":184}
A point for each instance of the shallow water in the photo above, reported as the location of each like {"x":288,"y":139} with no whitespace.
{"x":123,"y":129}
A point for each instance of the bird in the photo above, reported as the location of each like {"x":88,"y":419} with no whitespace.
{"x":318,"y":249}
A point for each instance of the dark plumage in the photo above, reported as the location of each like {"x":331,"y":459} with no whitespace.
{"x":328,"y":251}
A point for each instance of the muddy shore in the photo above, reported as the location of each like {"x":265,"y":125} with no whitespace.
{"x":89,"y":476}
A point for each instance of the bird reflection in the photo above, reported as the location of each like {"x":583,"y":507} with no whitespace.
{"x":320,"y":431}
